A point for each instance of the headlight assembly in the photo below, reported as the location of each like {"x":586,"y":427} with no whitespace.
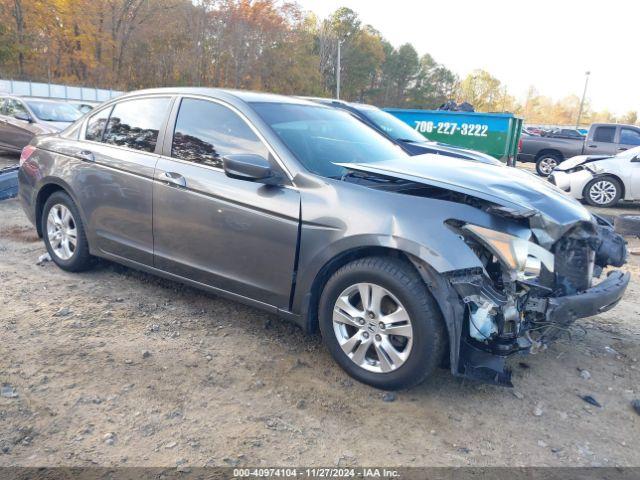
{"x":517,"y":255}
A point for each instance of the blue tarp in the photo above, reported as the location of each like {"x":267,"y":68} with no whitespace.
{"x":8,"y":182}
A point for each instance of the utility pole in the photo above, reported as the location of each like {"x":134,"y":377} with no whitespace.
{"x":584,"y":94}
{"x":338,"y":73}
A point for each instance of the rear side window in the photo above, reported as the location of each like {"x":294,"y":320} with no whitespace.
{"x":629,"y":137}
{"x":206,"y":131}
{"x":96,"y":124}
{"x":604,"y":134}
{"x":135,"y":123}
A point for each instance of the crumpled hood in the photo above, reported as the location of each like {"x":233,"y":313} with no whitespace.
{"x":579,"y":160}
{"x":509,"y":187}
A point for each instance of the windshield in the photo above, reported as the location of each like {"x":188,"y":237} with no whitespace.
{"x":54,"y":111}
{"x":321,"y":137}
{"x":396,"y":129}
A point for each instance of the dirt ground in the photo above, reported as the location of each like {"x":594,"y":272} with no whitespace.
{"x":114,"y":367}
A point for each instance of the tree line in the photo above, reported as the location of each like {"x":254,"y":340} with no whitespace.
{"x":266,"y":45}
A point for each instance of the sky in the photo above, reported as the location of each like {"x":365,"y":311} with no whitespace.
{"x":544,"y":43}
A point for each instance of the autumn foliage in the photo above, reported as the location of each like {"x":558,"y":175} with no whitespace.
{"x":263,"y":45}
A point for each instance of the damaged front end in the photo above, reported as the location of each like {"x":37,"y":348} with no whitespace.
{"x":527,"y":295}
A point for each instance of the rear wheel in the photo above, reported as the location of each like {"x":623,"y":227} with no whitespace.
{"x":546,"y":162}
{"x":602,"y":192}
{"x":64,"y":234}
{"x":381,"y":324}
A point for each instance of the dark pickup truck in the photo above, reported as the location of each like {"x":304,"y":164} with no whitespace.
{"x":602,"y":139}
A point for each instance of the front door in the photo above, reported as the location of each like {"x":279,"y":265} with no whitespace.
{"x":14,"y":133}
{"x":235,"y":235}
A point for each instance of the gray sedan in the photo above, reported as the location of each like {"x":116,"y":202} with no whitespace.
{"x":21,"y":118}
{"x":403,"y":263}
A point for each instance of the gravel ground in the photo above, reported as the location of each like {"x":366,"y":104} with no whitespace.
{"x":115,"y":367}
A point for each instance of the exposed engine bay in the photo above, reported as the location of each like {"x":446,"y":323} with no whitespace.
{"x":529,"y":290}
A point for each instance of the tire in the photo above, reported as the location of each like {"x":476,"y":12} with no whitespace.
{"x":78,"y":258}
{"x":420,"y":342}
{"x":602,"y":192}
{"x":546,"y":162}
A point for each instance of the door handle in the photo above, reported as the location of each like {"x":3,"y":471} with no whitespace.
{"x":86,"y":155}
{"x":593,"y":146}
{"x":621,"y":149}
{"x":174,"y":178}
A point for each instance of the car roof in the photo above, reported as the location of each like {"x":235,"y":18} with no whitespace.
{"x":246,"y":96}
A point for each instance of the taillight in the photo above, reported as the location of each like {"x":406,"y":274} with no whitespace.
{"x":520,"y":144}
{"x":26,"y":153}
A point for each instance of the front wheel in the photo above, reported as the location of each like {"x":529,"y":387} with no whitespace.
{"x":381,"y":324}
{"x":546,"y":163}
{"x":602,"y":192}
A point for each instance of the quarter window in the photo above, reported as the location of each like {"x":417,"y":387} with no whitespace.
{"x":604,"y":134}
{"x":135,"y":123}
{"x":629,"y":137}
{"x":206,"y":131}
{"x":96,"y":124}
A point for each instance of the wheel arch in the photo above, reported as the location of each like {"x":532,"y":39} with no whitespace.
{"x":446,"y":297}
{"x":549,"y":151}
{"x":607,"y":175}
{"x":48,"y":188}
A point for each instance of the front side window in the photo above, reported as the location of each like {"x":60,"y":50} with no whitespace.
{"x":604,"y":134}
{"x":629,"y":136}
{"x":206,"y":131}
{"x":135,"y":123}
{"x":96,"y":124}
{"x":321,"y":138}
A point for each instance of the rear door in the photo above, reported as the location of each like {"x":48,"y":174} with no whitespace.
{"x":115,"y":178}
{"x":601,"y":141}
{"x":235,"y":235}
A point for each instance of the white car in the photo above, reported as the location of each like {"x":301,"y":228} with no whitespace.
{"x":600,"y":181}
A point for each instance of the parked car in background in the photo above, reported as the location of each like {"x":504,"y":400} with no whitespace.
{"x":601,"y":181}
{"x":306,"y":212}
{"x":83,"y":106}
{"x":21,"y":118}
{"x":602,"y":139}
{"x":402,"y":134}
{"x":563,"y":133}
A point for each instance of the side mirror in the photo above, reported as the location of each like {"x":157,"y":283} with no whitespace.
{"x":25,"y":117}
{"x":250,"y":167}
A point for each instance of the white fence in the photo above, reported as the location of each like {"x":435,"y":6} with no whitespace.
{"x":52,"y":90}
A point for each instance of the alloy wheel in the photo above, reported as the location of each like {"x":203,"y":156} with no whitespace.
{"x":547,"y":165}
{"x":372,"y":327}
{"x":603,"y":192}
{"x":61,"y":231}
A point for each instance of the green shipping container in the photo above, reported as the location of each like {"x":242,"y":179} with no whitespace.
{"x":496,"y":134}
